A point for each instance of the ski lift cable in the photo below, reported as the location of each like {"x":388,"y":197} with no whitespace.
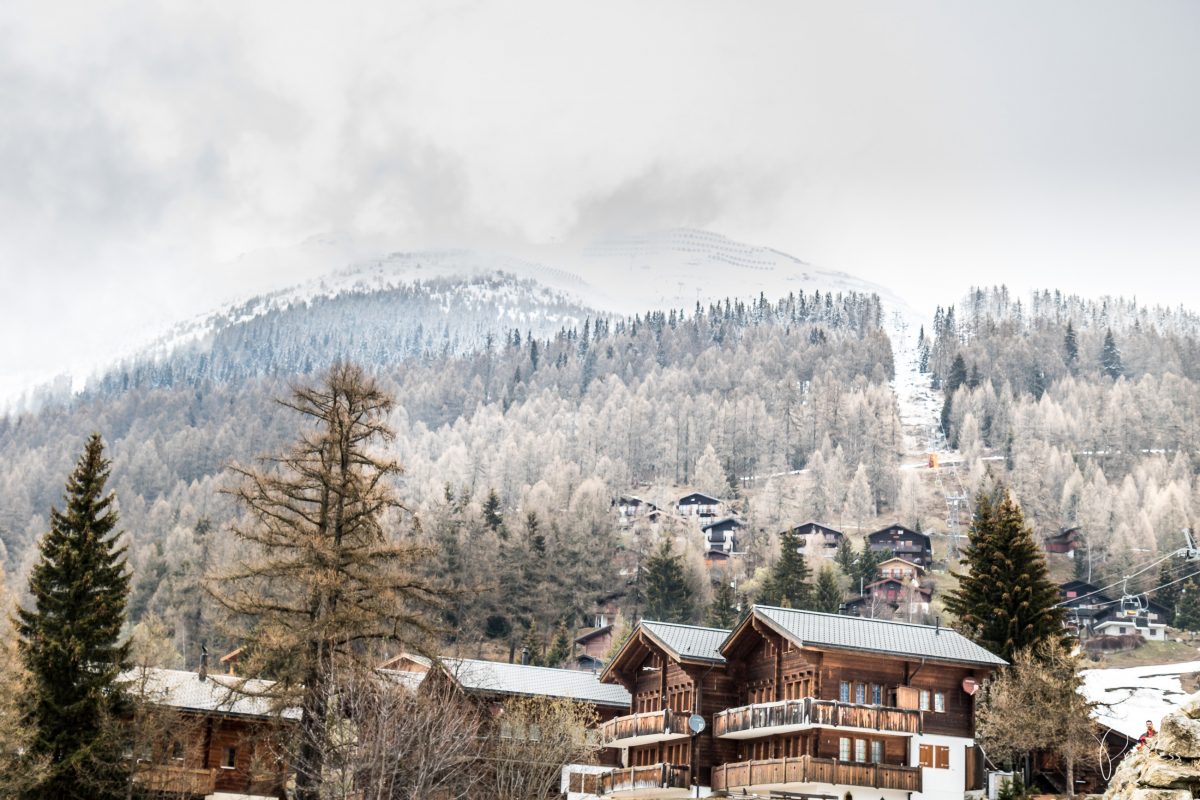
{"x":1124,"y":579}
{"x":1148,"y":591}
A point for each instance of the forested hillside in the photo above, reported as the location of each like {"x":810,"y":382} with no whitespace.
{"x":1092,"y":408}
{"x":553,"y":422}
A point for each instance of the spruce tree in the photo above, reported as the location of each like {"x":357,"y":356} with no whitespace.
{"x":866,"y":566}
{"x":1167,"y":596}
{"x":723,"y":612}
{"x":70,"y":640}
{"x":787,"y":585}
{"x":1070,"y":348}
{"x":1187,"y":610}
{"x":1006,"y":600}
{"x":491,"y":511}
{"x":669,"y":596}
{"x":845,"y":556}
{"x":560,"y":647}
{"x":956,"y":378}
{"x":828,"y":594}
{"x":1110,"y":357}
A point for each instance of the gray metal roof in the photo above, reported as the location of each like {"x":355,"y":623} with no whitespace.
{"x":877,"y":636}
{"x":222,"y":694}
{"x":503,"y":678}
{"x":688,"y":641}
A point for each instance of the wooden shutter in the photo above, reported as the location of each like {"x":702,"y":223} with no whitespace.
{"x":942,"y":757}
{"x":907,"y":697}
{"x":926,"y":755}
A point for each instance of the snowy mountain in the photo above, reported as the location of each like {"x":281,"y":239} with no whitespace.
{"x":536,"y":289}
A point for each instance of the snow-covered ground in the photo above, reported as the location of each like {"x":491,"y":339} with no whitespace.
{"x":920,"y":406}
{"x":1128,"y":697}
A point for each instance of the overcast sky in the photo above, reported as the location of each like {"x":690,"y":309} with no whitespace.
{"x":926,"y":146}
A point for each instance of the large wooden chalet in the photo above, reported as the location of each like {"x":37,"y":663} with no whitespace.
{"x":903,"y":542}
{"x":797,"y":703}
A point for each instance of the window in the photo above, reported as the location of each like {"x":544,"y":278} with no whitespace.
{"x":877,"y":694}
{"x":877,"y":751}
{"x":860,"y":749}
{"x":860,"y":693}
{"x":844,"y":749}
{"x":935,"y":757}
{"x":844,"y":694}
{"x":177,"y":750}
{"x":924,"y":701}
{"x":939,"y":701}
{"x":229,"y":758}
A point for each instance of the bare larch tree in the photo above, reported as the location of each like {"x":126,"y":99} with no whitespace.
{"x":326,"y":572}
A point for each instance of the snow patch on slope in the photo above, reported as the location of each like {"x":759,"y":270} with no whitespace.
{"x":1129,"y":697}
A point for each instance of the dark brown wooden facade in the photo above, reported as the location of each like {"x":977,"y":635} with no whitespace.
{"x":780,"y":711}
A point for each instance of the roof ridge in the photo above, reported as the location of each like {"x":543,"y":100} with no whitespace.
{"x":685,"y":625}
{"x":515,"y":664}
{"x":862,"y":619}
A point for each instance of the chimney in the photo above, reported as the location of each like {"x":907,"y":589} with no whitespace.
{"x":937,"y":626}
{"x":203,"y":661}
{"x":525,"y":656}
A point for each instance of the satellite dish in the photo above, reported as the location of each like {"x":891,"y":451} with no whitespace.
{"x":695,"y":724}
{"x":970,"y":686}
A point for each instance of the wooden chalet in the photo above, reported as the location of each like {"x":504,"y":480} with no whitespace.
{"x":796,"y":703}
{"x":629,"y":506}
{"x":900,"y":569}
{"x":1091,"y":610}
{"x":720,"y":538}
{"x":698,"y":504}
{"x":1066,"y":541}
{"x":819,"y":541}
{"x":837,"y":705}
{"x":903,"y":542}
{"x":221,"y":736}
{"x":593,"y":645}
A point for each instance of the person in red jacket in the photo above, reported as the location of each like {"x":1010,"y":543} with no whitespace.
{"x":1148,"y":735}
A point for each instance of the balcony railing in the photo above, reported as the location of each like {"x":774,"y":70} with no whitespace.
{"x":812,"y":713}
{"x":807,"y":769}
{"x":627,"y":779}
{"x":176,"y":780}
{"x":644,"y":728}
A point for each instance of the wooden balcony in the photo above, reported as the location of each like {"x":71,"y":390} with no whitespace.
{"x":791,"y":774}
{"x":786,"y":716}
{"x":657,"y":779}
{"x":646,"y":728}
{"x":176,"y":780}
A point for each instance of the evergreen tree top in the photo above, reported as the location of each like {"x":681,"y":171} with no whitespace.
{"x":1005,"y":599}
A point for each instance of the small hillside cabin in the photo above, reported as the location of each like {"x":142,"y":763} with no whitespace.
{"x":629,"y":506}
{"x":593,"y":645}
{"x":904,"y":543}
{"x":902,"y":595}
{"x":1093,"y":611}
{"x":1066,"y":541}
{"x":820,"y":542}
{"x":900,"y":569}
{"x":698,"y":504}
{"x":722,"y":534}
{"x":219,"y":736}
{"x":795,"y":704}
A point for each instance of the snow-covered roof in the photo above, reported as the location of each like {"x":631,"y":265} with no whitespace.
{"x":1128,"y":697}
{"x":222,"y":694}
{"x":503,"y":678}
